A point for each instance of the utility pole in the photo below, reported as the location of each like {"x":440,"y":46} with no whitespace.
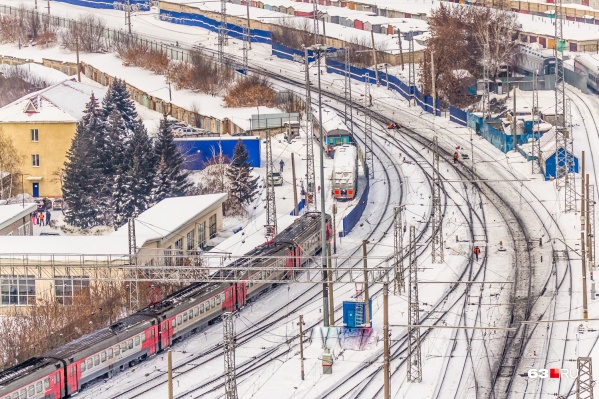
{"x":569,"y":153}
{"x":366,"y":296}
{"x":301,"y":340}
{"x":229,"y":355}
{"x":315,"y":17}
{"x":398,"y":250}
{"x":591,"y":222}
{"x":584,"y":381}
{"x":486,"y":107}
{"x":128,"y":14}
{"x":347,"y":91}
{"x":222,"y":31}
{"x":246,"y":35}
{"x":434,"y":93}
{"x":334,"y":228}
{"x":514,"y":119}
{"x":414,"y":356}
{"x":295,"y":207}
{"x":331,"y":297}
{"x":77,"y":51}
{"x":411,"y":71}
{"x":323,"y":235}
{"x":400,"y":48}
{"x":271,"y":208}
{"x":170,"y":373}
{"x":369,"y":156}
{"x":376,"y":65}
{"x":437,"y":242}
{"x":585,"y":308}
{"x":535,"y":119}
{"x":133,"y":285}
{"x":310,"y":174}
{"x":48,"y":14}
{"x":249,"y":35}
{"x":386,"y":377}
{"x":582,"y":197}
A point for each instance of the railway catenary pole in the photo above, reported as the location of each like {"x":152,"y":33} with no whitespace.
{"x":411,"y":71}
{"x":434,"y":88}
{"x":249,"y":34}
{"x":366,"y":296}
{"x":368,"y":146}
{"x":170,"y":373}
{"x":437,"y":241}
{"x":271,"y":207}
{"x":222,"y":31}
{"x":400,"y":48}
{"x":585,"y":308}
{"x":301,"y":342}
{"x":414,"y":367}
{"x":399,"y":285}
{"x":331,"y":293}
{"x":386,"y":377}
{"x":376,"y":65}
{"x":591,"y":223}
{"x":229,"y":356}
{"x":133,"y":284}
{"x":295,"y":207}
{"x":323,"y":236}
{"x":310,"y":173}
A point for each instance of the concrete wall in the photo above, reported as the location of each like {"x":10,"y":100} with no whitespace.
{"x":13,"y":228}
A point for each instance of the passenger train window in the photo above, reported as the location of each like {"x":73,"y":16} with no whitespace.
{"x":117,"y":350}
{"x":47,"y":383}
{"x":22,"y":394}
{"x":38,"y":386}
{"x":179,"y":319}
{"x":201,"y":308}
{"x":103,"y":356}
{"x":90,"y":363}
{"x":15,"y":396}
{"x":110,"y":353}
{"x":174,"y":323}
{"x":212,"y":303}
{"x":124,"y":347}
{"x":83,"y":368}
{"x":96,"y":360}
{"x":137,"y":341}
{"x":184,"y":317}
{"x":130,"y":344}
{"x":196,"y":311}
{"x":143,"y":336}
{"x":31,"y":390}
{"x":218,"y":299}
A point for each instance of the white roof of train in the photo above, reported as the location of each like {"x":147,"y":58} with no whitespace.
{"x":590,"y":61}
{"x":345,"y":158}
{"x":330,"y":120}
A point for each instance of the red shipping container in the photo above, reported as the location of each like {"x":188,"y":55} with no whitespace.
{"x":358,"y":24}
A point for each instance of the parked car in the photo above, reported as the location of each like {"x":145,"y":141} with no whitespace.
{"x":49,"y":233}
{"x":57,"y":204}
{"x":275,"y":179}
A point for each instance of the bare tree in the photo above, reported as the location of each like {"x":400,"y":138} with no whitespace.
{"x":89,"y":31}
{"x":10,"y":164}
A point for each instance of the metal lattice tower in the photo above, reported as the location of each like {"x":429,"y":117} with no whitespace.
{"x":369,"y":155}
{"x":246,"y":35}
{"x":571,"y":204}
{"x":347,"y":91}
{"x":561,"y":130}
{"x":411,"y":69}
{"x":536,"y":146}
{"x":310,"y":174}
{"x":437,"y":242}
{"x":486,"y":105}
{"x":222,"y":30}
{"x":133,"y":284}
{"x":591,"y":222}
{"x":414,"y":355}
{"x":398,"y":250}
{"x":229,"y":355}
{"x":271,"y":208}
{"x":584,"y":382}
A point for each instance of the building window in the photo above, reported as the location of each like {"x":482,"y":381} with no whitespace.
{"x":179,"y":251}
{"x":191,"y":240}
{"x":24,"y":230}
{"x":167,"y":256}
{"x":34,"y":135}
{"x":212,"y":222}
{"x":35,"y":160}
{"x":17,"y":290}
{"x":68,"y":287}
{"x":202,"y":235}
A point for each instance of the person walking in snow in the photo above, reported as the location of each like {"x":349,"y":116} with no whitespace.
{"x":281,"y":165}
{"x":476,"y":252}
{"x":48,"y":215}
{"x":41,"y":223}
{"x":455,"y":157}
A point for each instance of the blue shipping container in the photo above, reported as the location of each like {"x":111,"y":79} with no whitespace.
{"x":197,"y":151}
{"x":354,"y":313}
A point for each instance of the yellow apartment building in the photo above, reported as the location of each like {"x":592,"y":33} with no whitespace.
{"x":42,"y":125}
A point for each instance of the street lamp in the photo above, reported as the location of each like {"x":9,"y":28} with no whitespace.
{"x":318,"y":49}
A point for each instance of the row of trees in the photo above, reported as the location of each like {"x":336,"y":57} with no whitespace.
{"x":114,"y":170}
{"x":458,"y":38}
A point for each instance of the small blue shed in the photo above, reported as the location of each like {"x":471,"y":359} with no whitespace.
{"x":354,"y":313}
{"x":549,"y":163}
{"x":197,"y":151}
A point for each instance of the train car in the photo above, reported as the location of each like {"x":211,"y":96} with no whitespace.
{"x":533,"y":58}
{"x":345,"y":172}
{"x":68,"y":369}
{"x":335,"y":131}
{"x":588,"y":65}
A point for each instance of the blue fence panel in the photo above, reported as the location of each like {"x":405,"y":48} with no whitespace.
{"x":458,"y":116}
{"x":354,"y":216}
{"x":300,"y":206}
{"x":116,"y":5}
{"x":289,"y":53}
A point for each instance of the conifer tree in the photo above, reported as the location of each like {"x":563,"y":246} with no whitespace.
{"x":170,"y":180}
{"x":117,"y":99}
{"x":243,"y":187}
{"x":83,"y":171}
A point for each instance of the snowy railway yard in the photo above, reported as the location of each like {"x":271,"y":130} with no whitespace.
{"x":485,"y":322}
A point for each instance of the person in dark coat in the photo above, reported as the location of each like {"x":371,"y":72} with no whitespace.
{"x":48,"y":215}
{"x":476,"y":252}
